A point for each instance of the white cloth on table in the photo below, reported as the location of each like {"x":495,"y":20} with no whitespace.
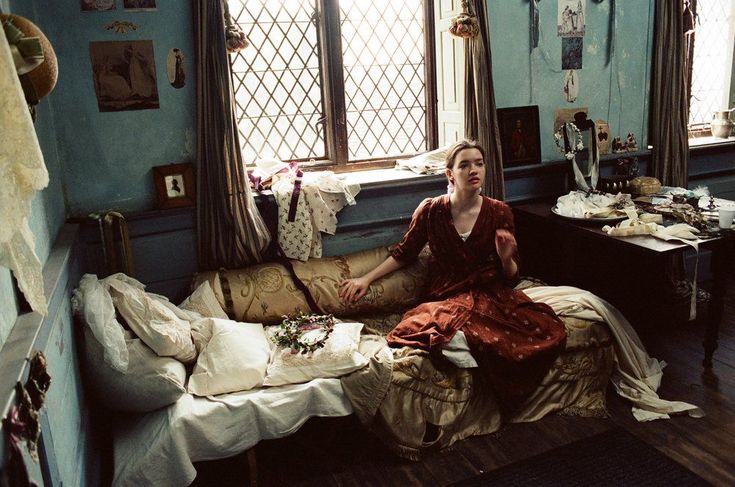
{"x":431,"y":162}
{"x":158,"y":448}
{"x":637,"y":376}
{"x":22,"y":173}
{"x":321,"y":196}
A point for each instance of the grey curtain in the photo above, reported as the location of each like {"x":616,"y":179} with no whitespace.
{"x":669,"y":96}
{"x":481,"y":118}
{"x":230,"y":230}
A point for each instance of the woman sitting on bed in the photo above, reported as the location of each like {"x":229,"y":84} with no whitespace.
{"x":473,"y":264}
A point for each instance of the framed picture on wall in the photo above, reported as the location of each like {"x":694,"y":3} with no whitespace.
{"x":139,"y":4}
{"x":175,"y":185}
{"x":520,"y":135}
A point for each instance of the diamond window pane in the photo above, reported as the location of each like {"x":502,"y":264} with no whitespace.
{"x":277,"y":80}
{"x":712,"y":60}
{"x":383,"y":59}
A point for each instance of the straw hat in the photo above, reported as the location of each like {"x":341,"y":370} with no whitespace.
{"x":42,"y":74}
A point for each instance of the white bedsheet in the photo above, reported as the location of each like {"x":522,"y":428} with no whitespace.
{"x":158,"y":448}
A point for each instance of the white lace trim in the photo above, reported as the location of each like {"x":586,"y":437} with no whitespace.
{"x":22,"y":173}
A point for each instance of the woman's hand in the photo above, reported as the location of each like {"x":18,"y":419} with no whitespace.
{"x":505,"y":245}
{"x":353,"y":289}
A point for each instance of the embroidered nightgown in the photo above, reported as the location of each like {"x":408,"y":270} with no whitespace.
{"x":513,"y":339}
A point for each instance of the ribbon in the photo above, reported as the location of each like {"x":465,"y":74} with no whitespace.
{"x":534,"y":23}
{"x":593,"y":165}
{"x":26,"y":51}
{"x":293,"y":166}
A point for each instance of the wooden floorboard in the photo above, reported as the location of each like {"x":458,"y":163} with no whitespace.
{"x":337,"y":452}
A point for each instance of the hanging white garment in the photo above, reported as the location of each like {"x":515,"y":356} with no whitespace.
{"x":637,"y":376}
{"x":320,"y":197}
{"x":22,"y":173}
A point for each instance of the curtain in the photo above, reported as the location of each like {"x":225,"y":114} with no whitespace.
{"x":230,"y":230}
{"x":670,"y":96}
{"x":481,"y":118}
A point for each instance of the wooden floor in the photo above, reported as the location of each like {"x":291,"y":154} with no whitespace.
{"x":337,"y":452}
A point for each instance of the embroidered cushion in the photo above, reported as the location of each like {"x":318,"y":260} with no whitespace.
{"x":204,"y":302}
{"x":233,"y":359}
{"x":338,"y":357}
{"x":264,"y":293}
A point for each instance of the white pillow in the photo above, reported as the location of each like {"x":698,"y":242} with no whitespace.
{"x":338,"y":357}
{"x":204,"y":301}
{"x":152,"y":321}
{"x":150,"y":382}
{"x":235,"y":359}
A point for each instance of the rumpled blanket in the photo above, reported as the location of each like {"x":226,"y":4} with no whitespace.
{"x":637,"y":376}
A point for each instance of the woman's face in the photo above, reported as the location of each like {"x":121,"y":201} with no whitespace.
{"x":468,"y":170}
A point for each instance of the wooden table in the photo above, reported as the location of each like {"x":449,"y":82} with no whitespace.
{"x":629,"y":272}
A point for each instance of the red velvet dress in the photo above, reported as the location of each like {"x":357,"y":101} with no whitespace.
{"x":513,"y":339}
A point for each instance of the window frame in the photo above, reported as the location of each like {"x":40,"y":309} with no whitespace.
{"x":700,"y":134}
{"x":334,"y":112}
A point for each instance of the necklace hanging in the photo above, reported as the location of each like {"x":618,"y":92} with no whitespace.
{"x":568,"y":139}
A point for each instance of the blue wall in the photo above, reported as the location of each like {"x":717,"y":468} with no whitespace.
{"x":616,"y":91}
{"x":108,"y":156}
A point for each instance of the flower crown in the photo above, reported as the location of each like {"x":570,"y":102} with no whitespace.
{"x":575,"y":141}
{"x":292,"y":329}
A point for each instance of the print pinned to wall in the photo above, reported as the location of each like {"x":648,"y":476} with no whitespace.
{"x":96,"y":5}
{"x":603,"y":136}
{"x":124,"y":74}
{"x":570,"y":18}
{"x":139,"y":4}
{"x":571,"y":53}
{"x":564,"y":115}
{"x":175,"y":68}
{"x":571,"y":86}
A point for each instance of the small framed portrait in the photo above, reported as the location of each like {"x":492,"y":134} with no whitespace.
{"x":520,"y":135}
{"x":175,"y":185}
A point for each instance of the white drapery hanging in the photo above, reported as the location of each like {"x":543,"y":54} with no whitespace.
{"x":22,"y":173}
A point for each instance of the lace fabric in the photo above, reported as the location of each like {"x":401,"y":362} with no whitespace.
{"x":22,"y":173}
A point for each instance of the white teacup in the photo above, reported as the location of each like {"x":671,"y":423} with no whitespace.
{"x":726,"y":216}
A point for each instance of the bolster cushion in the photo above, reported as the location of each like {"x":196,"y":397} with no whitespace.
{"x":265,"y":292}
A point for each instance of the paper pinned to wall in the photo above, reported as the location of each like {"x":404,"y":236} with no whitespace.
{"x":571,"y":18}
{"x":571,"y":86}
{"x":22,"y":173}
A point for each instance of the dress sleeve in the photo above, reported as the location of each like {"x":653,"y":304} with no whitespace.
{"x":416,"y":236}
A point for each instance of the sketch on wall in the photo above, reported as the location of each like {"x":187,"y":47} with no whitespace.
{"x":175,"y":68}
{"x":95,"y":5}
{"x":571,"y":18}
{"x":124,"y":74}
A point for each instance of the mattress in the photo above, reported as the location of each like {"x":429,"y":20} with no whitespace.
{"x":159,"y":448}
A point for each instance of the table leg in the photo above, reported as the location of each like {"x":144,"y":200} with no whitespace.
{"x":721,"y":260}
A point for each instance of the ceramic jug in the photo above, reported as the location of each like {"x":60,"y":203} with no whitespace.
{"x":721,"y":124}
